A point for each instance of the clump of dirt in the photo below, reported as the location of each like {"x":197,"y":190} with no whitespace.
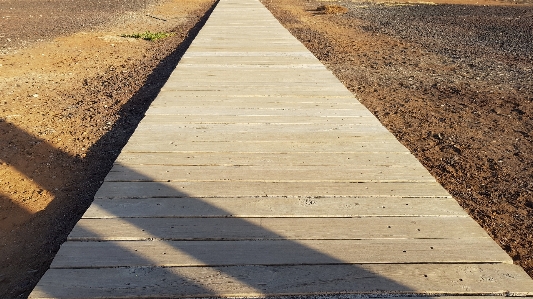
{"x":454,"y":84}
{"x":70,"y":100}
{"x":332,"y":9}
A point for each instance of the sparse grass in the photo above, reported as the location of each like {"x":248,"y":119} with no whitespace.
{"x":149,"y":36}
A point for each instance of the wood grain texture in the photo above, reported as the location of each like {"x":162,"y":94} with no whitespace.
{"x":269,"y":188}
{"x":163,"y":173}
{"x":291,"y":228}
{"x":392,"y":160}
{"x":257,"y":281}
{"x":273,"y":207}
{"x":276,"y":252}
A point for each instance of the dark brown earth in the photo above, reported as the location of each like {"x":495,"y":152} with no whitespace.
{"x":453,"y":82}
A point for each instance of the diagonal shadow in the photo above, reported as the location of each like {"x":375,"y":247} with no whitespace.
{"x":31,"y":162}
{"x":37,"y":171}
{"x":156,"y":254}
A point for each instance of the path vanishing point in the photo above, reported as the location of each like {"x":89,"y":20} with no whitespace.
{"x":257,"y":173}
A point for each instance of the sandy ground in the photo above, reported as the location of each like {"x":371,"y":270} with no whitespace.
{"x":71,"y":97}
{"x":453,"y":82}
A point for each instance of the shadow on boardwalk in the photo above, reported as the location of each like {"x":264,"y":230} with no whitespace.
{"x":232,"y":264}
{"x":167,"y":261}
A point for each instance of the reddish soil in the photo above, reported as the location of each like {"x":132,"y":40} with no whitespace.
{"x":72,"y":94}
{"x":454,"y":83}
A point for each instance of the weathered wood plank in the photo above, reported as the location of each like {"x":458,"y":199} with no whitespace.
{"x":272,"y":188}
{"x":204,"y":133}
{"x":258,"y":111}
{"x":166,"y":117}
{"x":175,"y":124}
{"x":176,"y":106}
{"x":335,"y":130}
{"x":288,"y":48}
{"x":273,"y":207}
{"x":242,"y":281}
{"x":138,"y":229}
{"x":177,"y":99}
{"x":232,"y":64}
{"x":248,"y":59}
{"x":276,"y":252}
{"x":362,"y":134}
{"x":256,"y":60}
{"x":393,"y":160}
{"x":245,"y":54}
{"x":229,"y":90}
{"x":252,"y":75}
{"x":164,"y":173}
{"x":385,"y":145}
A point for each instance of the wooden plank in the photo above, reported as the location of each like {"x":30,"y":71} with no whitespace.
{"x":257,"y":281}
{"x":269,"y":31}
{"x":193,"y":98}
{"x":164,"y":173}
{"x":199,"y":75}
{"x":248,"y":64}
{"x":257,"y":111}
{"x":393,"y":160}
{"x":250,"y":60}
{"x":165,"y":117}
{"x":207,"y":77}
{"x":343,"y":141}
{"x":276,"y":252}
{"x":362,"y":134}
{"x":253,"y":123}
{"x":177,"y":103}
{"x":273,"y":207}
{"x":256,"y":91}
{"x":184,"y":129}
{"x":243,"y":47}
{"x":257,"y":53}
{"x":273,"y":188}
{"x":388,"y":145}
{"x":179,"y":229}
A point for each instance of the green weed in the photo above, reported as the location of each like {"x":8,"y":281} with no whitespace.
{"x":150,"y":36}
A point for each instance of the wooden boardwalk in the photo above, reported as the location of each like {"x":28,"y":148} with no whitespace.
{"x":257,"y":173}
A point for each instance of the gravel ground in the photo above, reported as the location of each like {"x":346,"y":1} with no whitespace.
{"x":23,"y":23}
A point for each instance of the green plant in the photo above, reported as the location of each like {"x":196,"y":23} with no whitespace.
{"x":150,"y":36}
